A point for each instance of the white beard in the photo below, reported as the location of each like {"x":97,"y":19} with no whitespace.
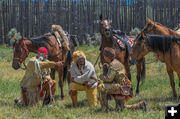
{"x":41,"y":58}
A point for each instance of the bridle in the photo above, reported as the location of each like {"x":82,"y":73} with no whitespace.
{"x":152,"y":29}
{"x":21,"y":60}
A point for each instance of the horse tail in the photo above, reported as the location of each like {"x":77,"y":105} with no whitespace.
{"x":68,"y":60}
{"x":143,"y":73}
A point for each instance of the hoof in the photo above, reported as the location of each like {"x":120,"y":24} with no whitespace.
{"x":62,"y":98}
{"x":145,"y":106}
{"x":175,"y":95}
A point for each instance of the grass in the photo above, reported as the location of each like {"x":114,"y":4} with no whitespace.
{"x":156,"y":91}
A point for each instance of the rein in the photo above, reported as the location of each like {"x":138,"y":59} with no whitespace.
{"x":56,"y":54}
{"x":97,"y":60}
{"x":25,"y":48}
{"x":153,"y":28}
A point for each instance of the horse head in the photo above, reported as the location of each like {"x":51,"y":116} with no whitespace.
{"x":105,"y":27}
{"x":20,"y":53}
{"x":139,"y":49}
{"x":152,"y":27}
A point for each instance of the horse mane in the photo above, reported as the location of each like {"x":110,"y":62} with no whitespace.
{"x":162,"y":43}
{"x":40,"y":41}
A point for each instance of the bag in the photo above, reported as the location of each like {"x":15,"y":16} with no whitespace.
{"x":125,"y":90}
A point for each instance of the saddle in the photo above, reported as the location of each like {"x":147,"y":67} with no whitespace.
{"x":123,"y":40}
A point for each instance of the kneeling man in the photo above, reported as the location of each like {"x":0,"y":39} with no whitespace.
{"x":83,"y":78}
{"x":37,"y":79}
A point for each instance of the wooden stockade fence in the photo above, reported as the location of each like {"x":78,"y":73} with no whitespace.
{"x":80,"y":17}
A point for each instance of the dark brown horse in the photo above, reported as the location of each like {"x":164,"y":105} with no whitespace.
{"x":121,"y":54}
{"x":23,"y":46}
{"x":166,"y":47}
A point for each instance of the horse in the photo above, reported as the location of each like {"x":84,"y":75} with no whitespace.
{"x":156,"y":28}
{"x":167,"y":47}
{"x":22,"y":47}
{"x":121,"y":54}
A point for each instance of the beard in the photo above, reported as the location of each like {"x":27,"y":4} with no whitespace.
{"x":41,"y":58}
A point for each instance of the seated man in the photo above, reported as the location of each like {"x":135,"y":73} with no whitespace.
{"x":83,"y":78}
{"x":115,"y":83}
{"x":37,"y":79}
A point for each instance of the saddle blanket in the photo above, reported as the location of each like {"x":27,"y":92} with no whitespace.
{"x":124,"y":41}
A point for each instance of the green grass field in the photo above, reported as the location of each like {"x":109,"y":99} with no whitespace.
{"x":156,"y":91}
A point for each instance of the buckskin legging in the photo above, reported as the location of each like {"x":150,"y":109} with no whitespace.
{"x":91,"y":93}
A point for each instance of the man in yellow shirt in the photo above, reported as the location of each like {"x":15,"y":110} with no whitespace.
{"x":37,"y":79}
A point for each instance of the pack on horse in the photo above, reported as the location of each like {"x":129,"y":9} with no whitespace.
{"x":122,"y":53}
{"x":165,"y":46}
{"x":23,"y":46}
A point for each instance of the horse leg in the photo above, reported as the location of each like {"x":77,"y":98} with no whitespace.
{"x":61,"y":83}
{"x":171,"y":76}
{"x":53,"y":73}
{"x":138,"y":77}
{"x":69,"y":78}
{"x":179,"y":77}
{"x":128,"y":73}
{"x":140,"y":73}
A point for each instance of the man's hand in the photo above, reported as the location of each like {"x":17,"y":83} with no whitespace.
{"x":59,"y":64}
{"x":72,"y":80}
{"x":89,"y":84}
{"x":101,"y":76}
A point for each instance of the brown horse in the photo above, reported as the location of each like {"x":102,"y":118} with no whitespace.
{"x":121,"y":54}
{"x":157,"y":28}
{"x":23,"y":47}
{"x":165,"y":46}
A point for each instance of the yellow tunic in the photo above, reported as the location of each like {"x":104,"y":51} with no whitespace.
{"x":31,"y":78}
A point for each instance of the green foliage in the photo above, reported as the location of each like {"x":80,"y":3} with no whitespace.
{"x":13,"y":32}
{"x":134,"y":31}
{"x":94,"y":40}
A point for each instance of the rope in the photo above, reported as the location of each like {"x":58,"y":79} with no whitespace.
{"x":96,"y":60}
{"x":51,"y":97}
{"x":25,"y":67}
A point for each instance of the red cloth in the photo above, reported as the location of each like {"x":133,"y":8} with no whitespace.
{"x":42,"y":50}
